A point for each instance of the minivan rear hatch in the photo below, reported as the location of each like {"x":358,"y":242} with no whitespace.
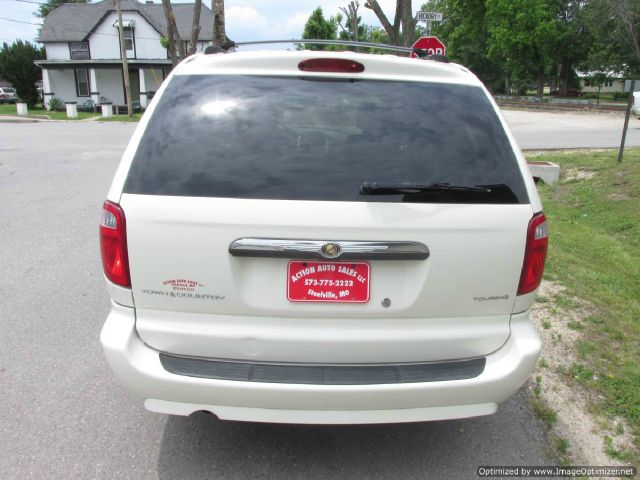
{"x":229,"y":160}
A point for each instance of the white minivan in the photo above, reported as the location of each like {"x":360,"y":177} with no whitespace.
{"x":322,"y":237}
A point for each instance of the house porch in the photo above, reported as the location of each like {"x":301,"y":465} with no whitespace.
{"x":101,"y":82}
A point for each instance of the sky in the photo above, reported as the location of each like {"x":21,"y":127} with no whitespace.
{"x":245,"y":19}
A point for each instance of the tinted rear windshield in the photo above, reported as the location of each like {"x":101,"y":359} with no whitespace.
{"x":309,"y":139}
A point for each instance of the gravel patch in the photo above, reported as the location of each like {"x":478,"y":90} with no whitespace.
{"x":570,"y":401}
{"x":577,"y":174}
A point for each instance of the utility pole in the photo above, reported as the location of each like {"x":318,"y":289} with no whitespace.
{"x":125,"y":63}
{"x":626,"y":120}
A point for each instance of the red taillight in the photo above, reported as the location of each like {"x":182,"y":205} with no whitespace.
{"x":113,"y":244}
{"x":534,"y":255}
{"x":340,"y":65}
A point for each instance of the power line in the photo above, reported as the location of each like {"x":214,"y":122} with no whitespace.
{"x":25,"y":1}
{"x":20,"y":21}
{"x":74,"y":29}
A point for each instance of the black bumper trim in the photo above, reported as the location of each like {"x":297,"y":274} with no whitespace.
{"x":319,"y":374}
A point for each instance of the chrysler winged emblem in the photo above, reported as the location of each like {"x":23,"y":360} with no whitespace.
{"x":330,"y":250}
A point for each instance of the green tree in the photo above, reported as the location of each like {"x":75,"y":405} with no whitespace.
{"x":375,"y":34}
{"x":352,"y":28}
{"x":319,"y":28}
{"x":16,"y":65}
{"x":50,"y":5}
{"x":350,"y":22}
{"x":572,"y":42}
{"x":614,"y":30}
{"x":525,"y":35}
{"x":403,"y":30}
{"x":464,"y":32}
{"x":628,"y":14}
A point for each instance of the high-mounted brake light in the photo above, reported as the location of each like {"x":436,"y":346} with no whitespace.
{"x":534,"y":255}
{"x":338,"y":65}
{"x":113,"y":244}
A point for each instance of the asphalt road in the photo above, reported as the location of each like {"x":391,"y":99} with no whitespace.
{"x":63,"y":415}
{"x":549,"y":130}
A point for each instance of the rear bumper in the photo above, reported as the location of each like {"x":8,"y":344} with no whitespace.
{"x":139,"y":368}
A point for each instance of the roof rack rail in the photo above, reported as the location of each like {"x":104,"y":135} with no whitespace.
{"x":421,"y":53}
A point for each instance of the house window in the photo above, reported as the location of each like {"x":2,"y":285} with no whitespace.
{"x":129,"y":42}
{"x":79,"y":50}
{"x":608,"y":83}
{"x":82,"y":82}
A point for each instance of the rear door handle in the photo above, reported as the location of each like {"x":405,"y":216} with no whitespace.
{"x":328,"y":249}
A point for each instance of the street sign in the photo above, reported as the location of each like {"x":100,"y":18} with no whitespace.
{"x":429,"y":17}
{"x":432,"y":45}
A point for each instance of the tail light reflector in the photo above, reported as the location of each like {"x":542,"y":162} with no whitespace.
{"x":534,"y":255}
{"x":338,"y":65}
{"x":113,"y":244}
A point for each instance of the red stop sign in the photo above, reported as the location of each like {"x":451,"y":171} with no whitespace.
{"x":432,"y":45}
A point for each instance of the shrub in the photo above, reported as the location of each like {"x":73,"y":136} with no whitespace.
{"x":16,"y":66}
{"x":56,"y":105}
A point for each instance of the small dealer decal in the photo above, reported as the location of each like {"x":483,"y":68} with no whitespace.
{"x":182,"y":284}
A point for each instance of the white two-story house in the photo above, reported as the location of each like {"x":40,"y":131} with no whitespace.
{"x":82,"y":44}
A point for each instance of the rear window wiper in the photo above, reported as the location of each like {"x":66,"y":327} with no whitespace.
{"x":391,"y":188}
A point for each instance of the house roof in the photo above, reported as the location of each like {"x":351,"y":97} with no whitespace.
{"x":74,"y":22}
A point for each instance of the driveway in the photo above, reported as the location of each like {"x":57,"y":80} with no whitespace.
{"x":63,"y":415}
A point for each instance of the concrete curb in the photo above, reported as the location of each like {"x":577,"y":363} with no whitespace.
{"x":8,"y":119}
{"x":117,"y":121}
{"x":43,"y":118}
{"x":560,"y":108}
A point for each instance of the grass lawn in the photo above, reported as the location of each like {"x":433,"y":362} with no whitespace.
{"x":606,"y":97}
{"x":594,"y":251}
{"x":9,"y":109}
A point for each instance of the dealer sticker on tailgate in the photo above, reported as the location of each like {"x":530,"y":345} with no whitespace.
{"x":328,"y":282}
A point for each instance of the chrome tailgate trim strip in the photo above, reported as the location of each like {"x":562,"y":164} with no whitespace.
{"x":328,"y":249}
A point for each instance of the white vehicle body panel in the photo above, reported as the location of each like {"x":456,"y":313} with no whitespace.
{"x":436,"y":301}
{"x":139,"y":369}
{"x":461,"y":302}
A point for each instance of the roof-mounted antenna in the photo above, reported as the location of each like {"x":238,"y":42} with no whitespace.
{"x":223,"y":48}
{"x":229,"y":44}
{"x":420,"y":52}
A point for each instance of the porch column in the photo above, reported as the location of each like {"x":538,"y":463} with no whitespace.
{"x":47,"y":94}
{"x":143,"y":89}
{"x":93,"y":85}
